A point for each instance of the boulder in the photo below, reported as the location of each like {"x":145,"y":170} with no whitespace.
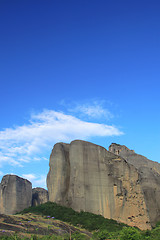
{"x":87,"y":177}
{"x":39,"y":196}
{"x":15,"y":194}
{"x":149,"y":178}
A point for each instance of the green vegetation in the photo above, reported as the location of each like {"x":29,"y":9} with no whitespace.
{"x":125,"y":234}
{"x":85,"y":220}
{"x":100,"y":228}
{"x":130,"y":234}
{"x":34,"y":237}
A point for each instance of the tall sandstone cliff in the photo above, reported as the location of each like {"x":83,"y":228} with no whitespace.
{"x":150,"y":178}
{"x":87,"y":177}
{"x":15,"y":194}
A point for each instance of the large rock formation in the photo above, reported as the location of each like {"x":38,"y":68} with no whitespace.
{"x":87,"y":177}
{"x":15,"y":194}
{"x":150,"y":178}
{"x":39,"y":196}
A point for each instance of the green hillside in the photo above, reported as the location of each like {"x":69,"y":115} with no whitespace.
{"x":85,"y":220}
{"x":55,"y":222}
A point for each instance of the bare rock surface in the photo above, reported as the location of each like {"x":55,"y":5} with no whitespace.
{"x":150,"y":178}
{"x":39,"y":196}
{"x":87,"y":177}
{"x":15,"y":194}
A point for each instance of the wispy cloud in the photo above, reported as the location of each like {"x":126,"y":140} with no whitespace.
{"x":92,"y":109}
{"x":29,"y":176}
{"x":22,"y":144}
{"x":36,"y":180}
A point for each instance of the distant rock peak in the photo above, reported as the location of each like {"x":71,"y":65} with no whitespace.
{"x":39,"y":196}
{"x":117,"y":148}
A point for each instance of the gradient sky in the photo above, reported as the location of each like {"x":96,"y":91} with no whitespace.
{"x":84,"y":69}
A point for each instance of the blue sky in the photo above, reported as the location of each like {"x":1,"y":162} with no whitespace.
{"x":77,"y":70}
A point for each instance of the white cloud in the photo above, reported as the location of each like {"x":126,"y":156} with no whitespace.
{"x":94,"y":110}
{"x":36,"y":180}
{"x":29,"y":176}
{"x":27,"y":143}
{"x":40,"y":181}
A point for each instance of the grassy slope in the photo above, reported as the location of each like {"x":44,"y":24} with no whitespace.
{"x":86,"y":220}
{"x":26,"y":225}
{"x":52,"y":221}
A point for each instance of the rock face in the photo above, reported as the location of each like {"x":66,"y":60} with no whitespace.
{"x":150,"y":178}
{"x":87,"y":177}
{"x":39,"y":196}
{"x":15,"y":194}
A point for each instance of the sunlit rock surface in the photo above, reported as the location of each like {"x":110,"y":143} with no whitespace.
{"x":150,"y":178}
{"x":15,"y":194}
{"x":87,"y":177}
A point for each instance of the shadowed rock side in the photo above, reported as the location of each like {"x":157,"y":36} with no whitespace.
{"x":15,"y":194}
{"x":87,"y":177}
{"x":39,"y":196}
{"x":150,"y":178}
